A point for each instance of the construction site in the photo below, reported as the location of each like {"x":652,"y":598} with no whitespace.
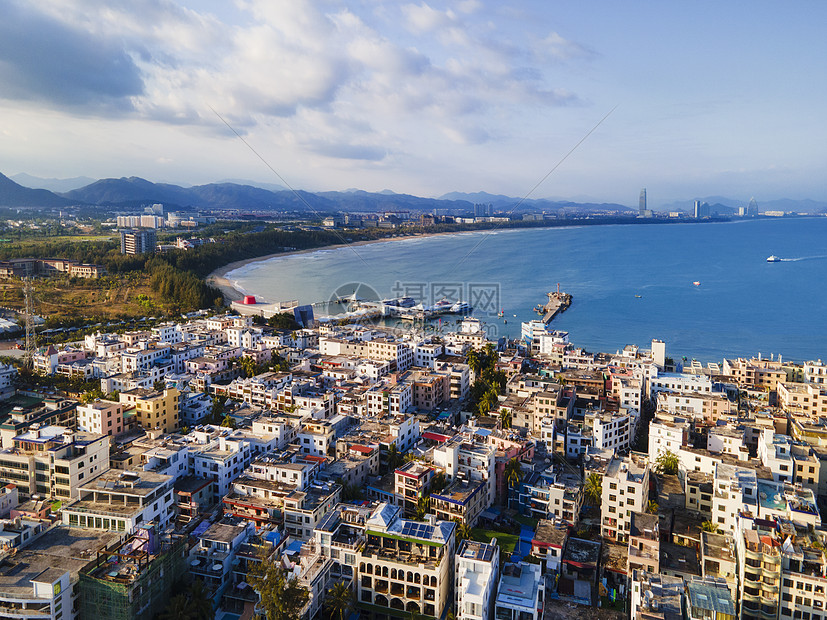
{"x":132,"y":578}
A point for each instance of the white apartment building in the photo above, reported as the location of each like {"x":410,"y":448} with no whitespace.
{"x":221,"y":460}
{"x":389,"y":399}
{"x":281,"y":428}
{"x":775,"y":453}
{"x":680,"y":382}
{"x":667,"y":435}
{"x":625,"y":490}
{"x":244,"y":337}
{"x":475,"y":588}
{"x":469,"y":461}
{"x":167,"y":333}
{"x":612,"y":431}
{"x":406,"y":564}
{"x":727,"y":440}
{"x":425,"y":353}
{"x":120,"y":501}
{"x":520,"y":592}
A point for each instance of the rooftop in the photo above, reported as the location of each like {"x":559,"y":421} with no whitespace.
{"x":518,"y":587}
{"x":712,"y":595}
{"x":473,"y":550}
{"x":549,"y":533}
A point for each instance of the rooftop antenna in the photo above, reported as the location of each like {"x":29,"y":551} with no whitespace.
{"x":28,"y":293}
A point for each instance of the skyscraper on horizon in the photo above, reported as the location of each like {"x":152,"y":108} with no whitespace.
{"x":643,"y":202}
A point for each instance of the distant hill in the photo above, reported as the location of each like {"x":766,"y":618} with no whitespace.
{"x":479,"y":198}
{"x":129,"y":191}
{"x":53,"y":185}
{"x":273,"y":187}
{"x":15,"y":195}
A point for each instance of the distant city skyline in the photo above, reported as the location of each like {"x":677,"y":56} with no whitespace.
{"x":423,"y":97}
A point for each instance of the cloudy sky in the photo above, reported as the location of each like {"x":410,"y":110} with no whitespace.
{"x":709,"y":98}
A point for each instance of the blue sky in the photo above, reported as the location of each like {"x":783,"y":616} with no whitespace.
{"x":709,"y":98}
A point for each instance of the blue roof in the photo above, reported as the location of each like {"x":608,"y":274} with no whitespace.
{"x":483,"y":432}
{"x":294,"y":547}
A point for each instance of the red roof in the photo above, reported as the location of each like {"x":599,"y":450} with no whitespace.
{"x":436,"y":436}
{"x":362,"y":449}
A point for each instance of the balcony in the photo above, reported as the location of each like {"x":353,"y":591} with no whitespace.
{"x":646,"y":555}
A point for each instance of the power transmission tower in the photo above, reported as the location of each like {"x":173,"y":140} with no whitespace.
{"x":28,"y":293}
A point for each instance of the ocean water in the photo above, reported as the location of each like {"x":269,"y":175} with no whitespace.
{"x":743,"y":305}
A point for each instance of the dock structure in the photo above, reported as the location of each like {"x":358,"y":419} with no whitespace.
{"x":558,"y":302}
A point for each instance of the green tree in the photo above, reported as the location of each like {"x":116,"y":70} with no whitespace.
{"x":488,"y":401}
{"x":178,"y":608}
{"x":667,"y":463}
{"x":513,"y":472}
{"x":281,"y":597}
{"x":463,"y":530}
{"x":200,"y":602}
{"x":339,"y":601}
{"x":652,"y":507}
{"x":439,"y":482}
{"x":228,"y":421}
{"x":505,"y":417}
{"x":709,"y":526}
{"x":394,"y":458}
{"x":423,"y":506}
{"x":91,"y":395}
{"x":249,"y":368}
{"x":217,"y":411}
{"x":593,"y":489}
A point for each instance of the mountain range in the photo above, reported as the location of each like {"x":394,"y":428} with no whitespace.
{"x":129,"y":193}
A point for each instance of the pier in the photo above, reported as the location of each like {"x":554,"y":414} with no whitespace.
{"x":558,"y":302}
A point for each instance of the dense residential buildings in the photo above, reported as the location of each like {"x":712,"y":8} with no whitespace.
{"x":352,"y":453}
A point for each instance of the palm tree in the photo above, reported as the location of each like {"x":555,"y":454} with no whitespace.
{"x":505,"y":417}
{"x":513,"y":472}
{"x":393,"y":457}
{"x":423,"y":505}
{"x":709,"y":526}
{"x":339,"y":600}
{"x":593,"y":489}
{"x":178,"y":609}
{"x":463,"y":530}
{"x":652,"y":508}
{"x":200,"y":602}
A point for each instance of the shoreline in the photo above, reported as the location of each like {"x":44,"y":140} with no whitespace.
{"x":219,"y":280}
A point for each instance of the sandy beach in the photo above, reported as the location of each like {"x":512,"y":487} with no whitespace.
{"x":219,"y":280}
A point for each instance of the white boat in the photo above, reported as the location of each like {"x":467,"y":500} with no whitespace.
{"x":461,"y":307}
{"x":773,"y":259}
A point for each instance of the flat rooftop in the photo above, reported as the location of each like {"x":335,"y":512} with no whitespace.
{"x":518,"y":587}
{"x":473,"y":550}
{"x":57,"y":551}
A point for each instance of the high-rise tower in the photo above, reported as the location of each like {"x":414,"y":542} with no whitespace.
{"x":643,"y":202}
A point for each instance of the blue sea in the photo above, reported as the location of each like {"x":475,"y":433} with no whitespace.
{"x":630,"y":283}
